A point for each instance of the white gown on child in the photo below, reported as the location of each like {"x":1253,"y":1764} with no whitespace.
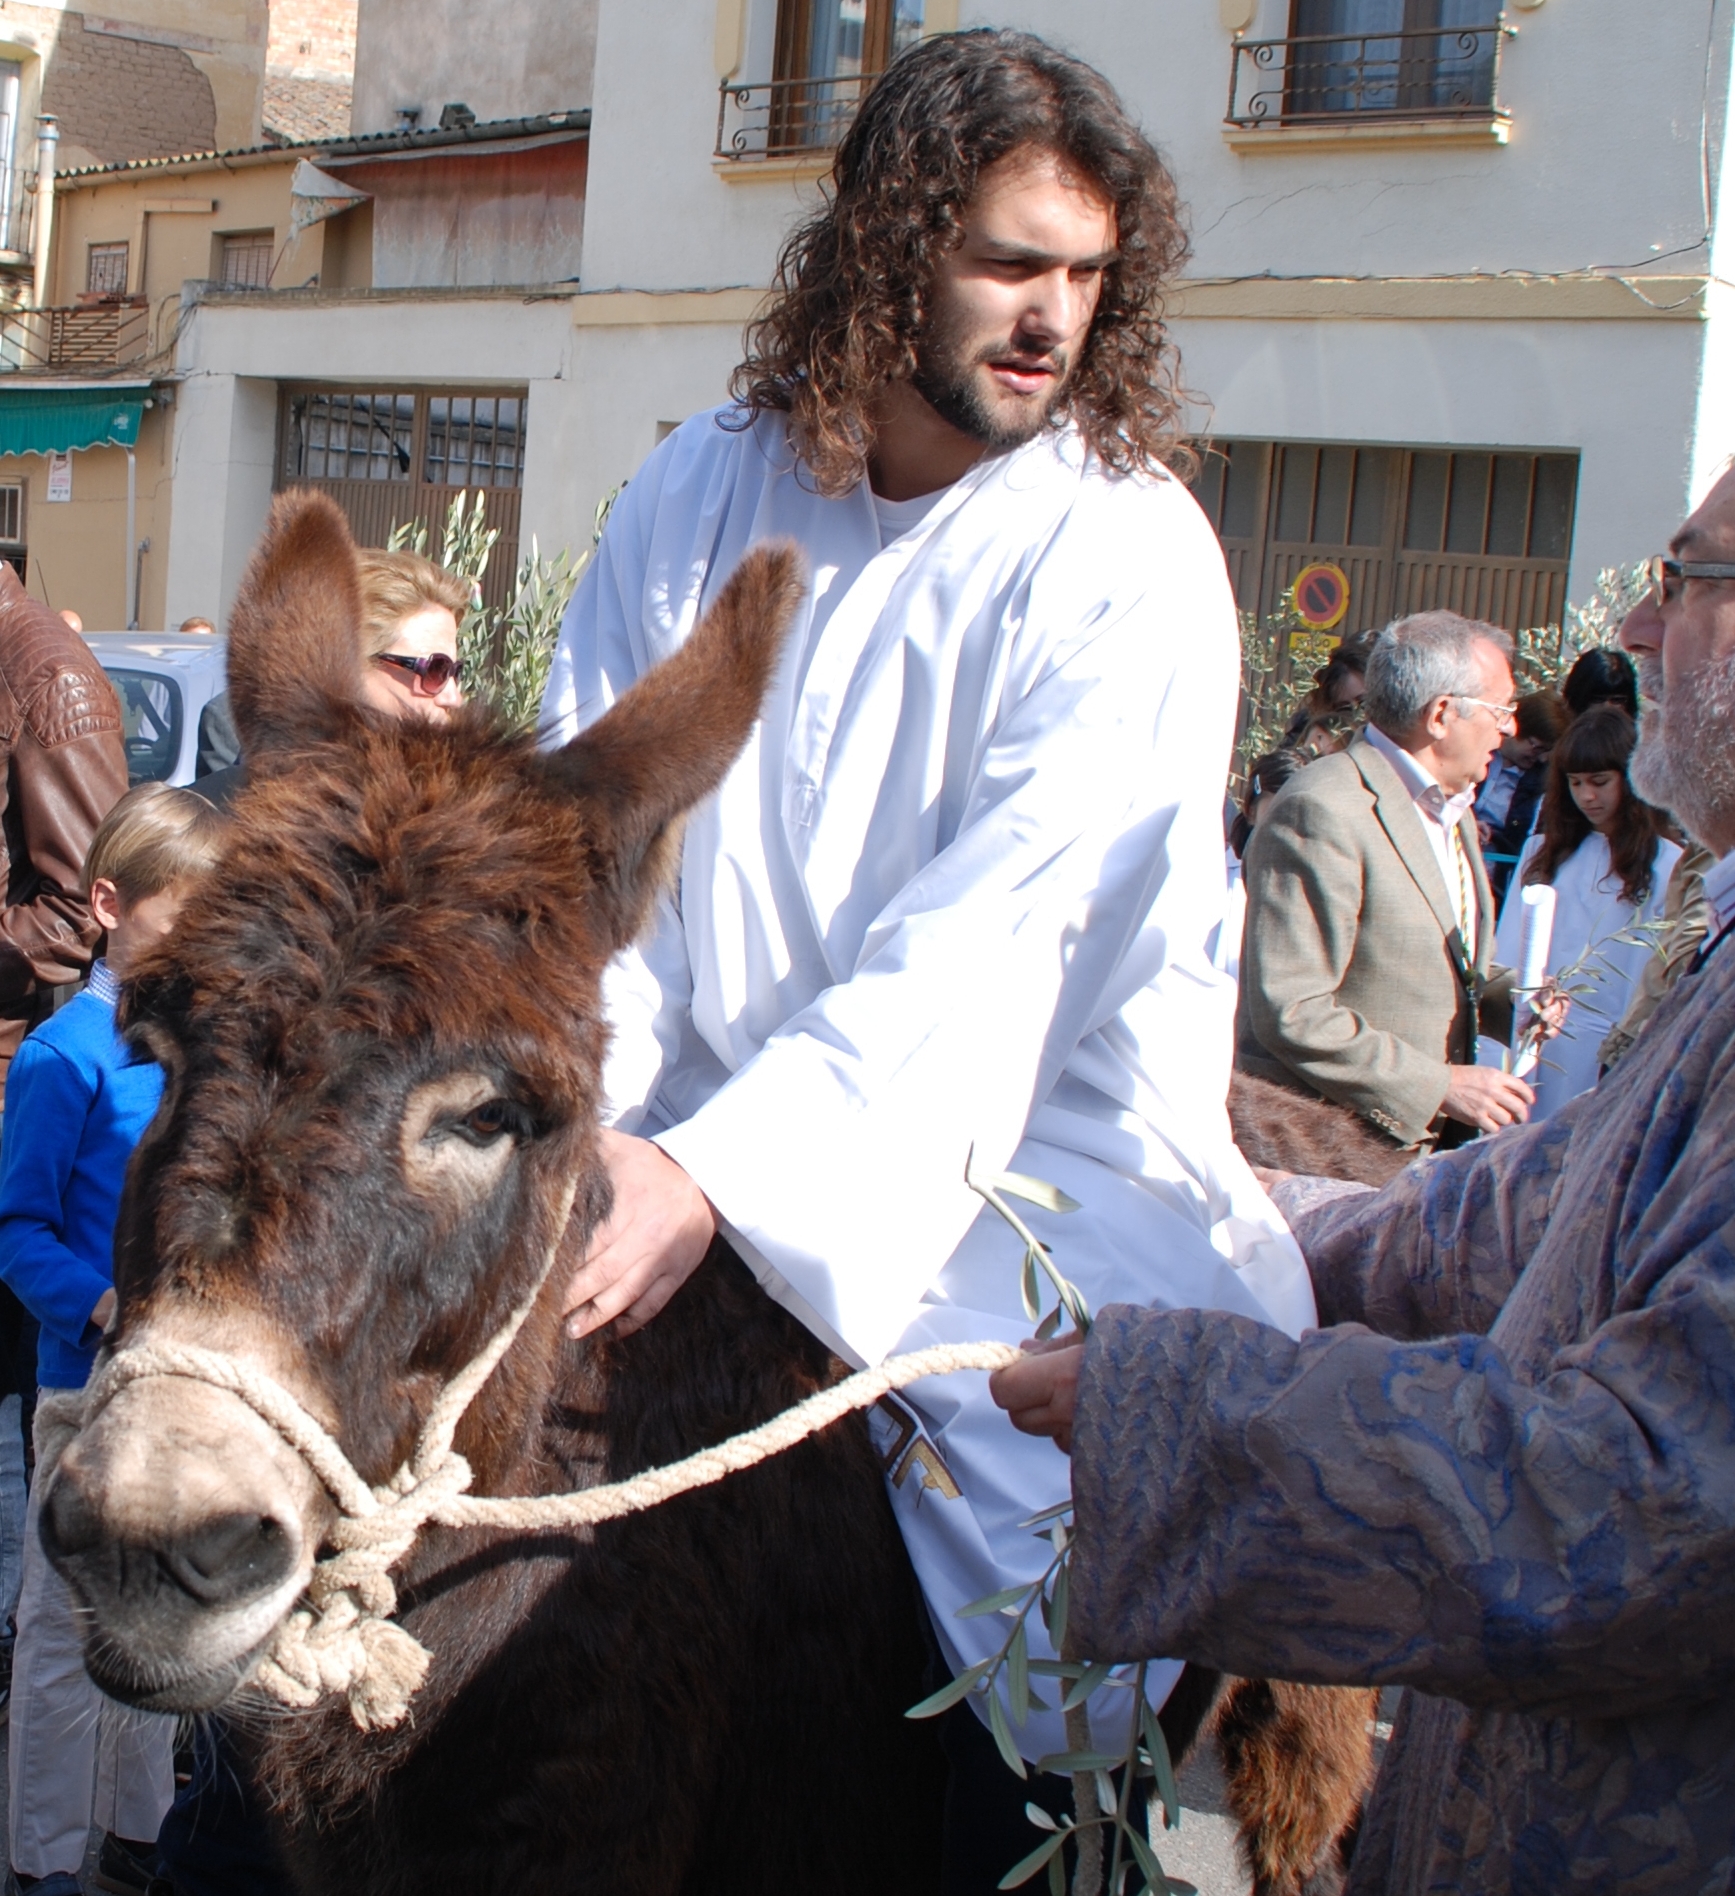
{"x":1590,"y":911}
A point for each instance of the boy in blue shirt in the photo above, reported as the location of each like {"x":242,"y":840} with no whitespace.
{"x":77,"y":1100}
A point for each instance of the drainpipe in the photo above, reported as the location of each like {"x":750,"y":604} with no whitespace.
{"x":47,"y":138}
{"x":132,"y":552}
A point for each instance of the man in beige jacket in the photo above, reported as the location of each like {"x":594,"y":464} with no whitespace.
{"x":1365,"y":972}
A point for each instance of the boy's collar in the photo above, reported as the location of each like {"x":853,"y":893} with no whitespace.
{"x":104,"y":984}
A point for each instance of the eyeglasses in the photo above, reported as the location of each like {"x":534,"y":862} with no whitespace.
{"x":1505,"y":716}
{"x":432,"y":674}
{"x":1664,"y":575}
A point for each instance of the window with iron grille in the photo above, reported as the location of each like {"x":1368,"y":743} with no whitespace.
{"x":11,"y":514}
{"x":396,"y":457}
{"x":105,"y":269}
{"x":246,"y":260}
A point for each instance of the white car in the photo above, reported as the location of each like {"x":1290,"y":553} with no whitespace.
{"x":164,"y":681}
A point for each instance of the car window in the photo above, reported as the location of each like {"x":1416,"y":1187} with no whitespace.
{"x":152,"y":714}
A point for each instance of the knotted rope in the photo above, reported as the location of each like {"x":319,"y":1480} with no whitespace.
{"x":341,"y":1639}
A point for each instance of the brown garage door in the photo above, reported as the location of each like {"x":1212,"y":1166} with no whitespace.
{"x":391,"y":456}
{"x":1484,"y":532}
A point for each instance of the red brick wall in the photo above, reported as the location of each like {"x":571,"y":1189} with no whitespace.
{"x":123,"y":98}
{"x":312,"y":38}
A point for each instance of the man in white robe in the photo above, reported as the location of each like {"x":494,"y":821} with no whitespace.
{"x":963,"y":889}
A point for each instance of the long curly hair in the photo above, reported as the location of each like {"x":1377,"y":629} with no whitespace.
{"x":1602,"y":739}
{"x":853,"y":290}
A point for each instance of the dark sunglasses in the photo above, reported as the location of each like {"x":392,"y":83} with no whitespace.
{"x":1665,"y":575}
{"x":433,"y":673}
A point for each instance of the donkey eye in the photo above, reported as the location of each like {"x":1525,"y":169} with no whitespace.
{"x":493,"y":1119}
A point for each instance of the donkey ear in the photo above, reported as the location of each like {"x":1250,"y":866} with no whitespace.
{"x":294,"y":644}
{"x":671,"y":739}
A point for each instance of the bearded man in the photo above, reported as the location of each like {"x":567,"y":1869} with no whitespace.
{"x":1503,"y":1473}
{"x":963,"y":889}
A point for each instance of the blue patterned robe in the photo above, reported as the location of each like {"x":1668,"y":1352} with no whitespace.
{"x":1504,"y":1476}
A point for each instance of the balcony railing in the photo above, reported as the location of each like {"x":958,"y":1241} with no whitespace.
{"x":1328,"y":78}
{"x":781,"y":118}
{"x":89,"y":340}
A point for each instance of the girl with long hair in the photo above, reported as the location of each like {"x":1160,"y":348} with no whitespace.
{"x":1605,"y":855}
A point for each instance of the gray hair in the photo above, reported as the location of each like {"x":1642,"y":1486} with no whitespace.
{"x":1427,"y":656}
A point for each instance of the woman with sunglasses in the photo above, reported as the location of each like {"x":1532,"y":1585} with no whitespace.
{"x":410,"y":610}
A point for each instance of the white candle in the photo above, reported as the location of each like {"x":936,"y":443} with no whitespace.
{"x":1535,"y":937}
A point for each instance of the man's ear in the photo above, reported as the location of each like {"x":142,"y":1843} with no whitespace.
{"x":672,"y":738}
{"x":294,"y":644}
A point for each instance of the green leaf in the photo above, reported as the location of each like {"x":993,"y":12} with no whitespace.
{"x":1018,"y":1675}
{"x":1049,"y":1326}
{"x":950,"y":1693}
{"x":1042,"y":1819}
{"x":1056,"y":1877}
{"x":997,"y":1602}
{"x":1072,"y":1762}
{"x":1049,"y":1514}
{"x":1057,"y":1668}
{"x":1093,"y":1677}
{"x":1028,"y":1287}
{"x":1105,"y":1792}
{"x":1023,"y":1870}
{"x":1057,"y":1608}
{"x":1157,"y":1745}
{"x":1003,"y":1736}
{"x":1034,"y":1191}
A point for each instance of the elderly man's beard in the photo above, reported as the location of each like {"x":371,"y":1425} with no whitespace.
{"x":948,"y":377}
{"x":1685,"y":762}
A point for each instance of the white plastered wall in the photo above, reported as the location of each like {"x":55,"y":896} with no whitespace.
{"x":1623,"y":394}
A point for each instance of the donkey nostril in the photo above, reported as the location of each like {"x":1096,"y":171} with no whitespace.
{"x":69,"y":1525}
{"x":230,"y":1557}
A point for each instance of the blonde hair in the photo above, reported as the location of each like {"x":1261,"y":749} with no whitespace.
{"x":154,"y":837}
{"x":395,"y":585}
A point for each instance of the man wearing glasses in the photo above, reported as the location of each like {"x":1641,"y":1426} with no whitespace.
{"x":1366,"y":972}
{"x":1500,"y":1471}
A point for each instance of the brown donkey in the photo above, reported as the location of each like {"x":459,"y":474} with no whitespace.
{"x":382,"y":1031}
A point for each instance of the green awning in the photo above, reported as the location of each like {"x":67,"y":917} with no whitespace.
{"x":53,"y":420}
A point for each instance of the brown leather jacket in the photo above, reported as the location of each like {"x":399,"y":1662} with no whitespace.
{"x":60,"y":733}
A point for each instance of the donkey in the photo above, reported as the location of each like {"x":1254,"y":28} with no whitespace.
{"x":381,"y":1026}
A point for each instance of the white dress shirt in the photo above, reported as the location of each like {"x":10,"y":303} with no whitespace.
{"x":1441,"y":816}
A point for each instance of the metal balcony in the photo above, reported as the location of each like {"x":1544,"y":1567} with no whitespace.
{"x":782,"y":118}
{"x":1338,"y":78}
{"x":89,"y":339}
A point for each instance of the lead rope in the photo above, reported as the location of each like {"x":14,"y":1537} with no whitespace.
{"x":341,"y":1638}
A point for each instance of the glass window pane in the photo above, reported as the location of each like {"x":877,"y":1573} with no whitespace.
{"x":1509,"y":506}
{"x":1241,"y":488}
{"x":1467,"y":513}
{"x":1331,"y":504}
{"x":1375,"y":470}
{"x":906,"y":24}
{"x":1207,"y":484}
{"x":1425,"y":517}
{"x":1551,"y":512}
{"x":1295,"y":494}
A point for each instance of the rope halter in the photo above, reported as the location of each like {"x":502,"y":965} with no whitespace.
{"x":341,"y":1639}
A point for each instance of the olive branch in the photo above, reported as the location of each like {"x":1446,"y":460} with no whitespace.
{"x":1106,"y":1785}
{"x":1573,"y":983}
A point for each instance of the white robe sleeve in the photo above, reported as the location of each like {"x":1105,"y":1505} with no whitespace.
{"x":602,"y":649}
{"x":836,"y":1154}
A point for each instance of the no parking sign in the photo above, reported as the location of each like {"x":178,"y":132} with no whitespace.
{"x":1319,"y":596}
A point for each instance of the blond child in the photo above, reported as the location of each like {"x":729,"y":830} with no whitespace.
{"x":77,"y":1099}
